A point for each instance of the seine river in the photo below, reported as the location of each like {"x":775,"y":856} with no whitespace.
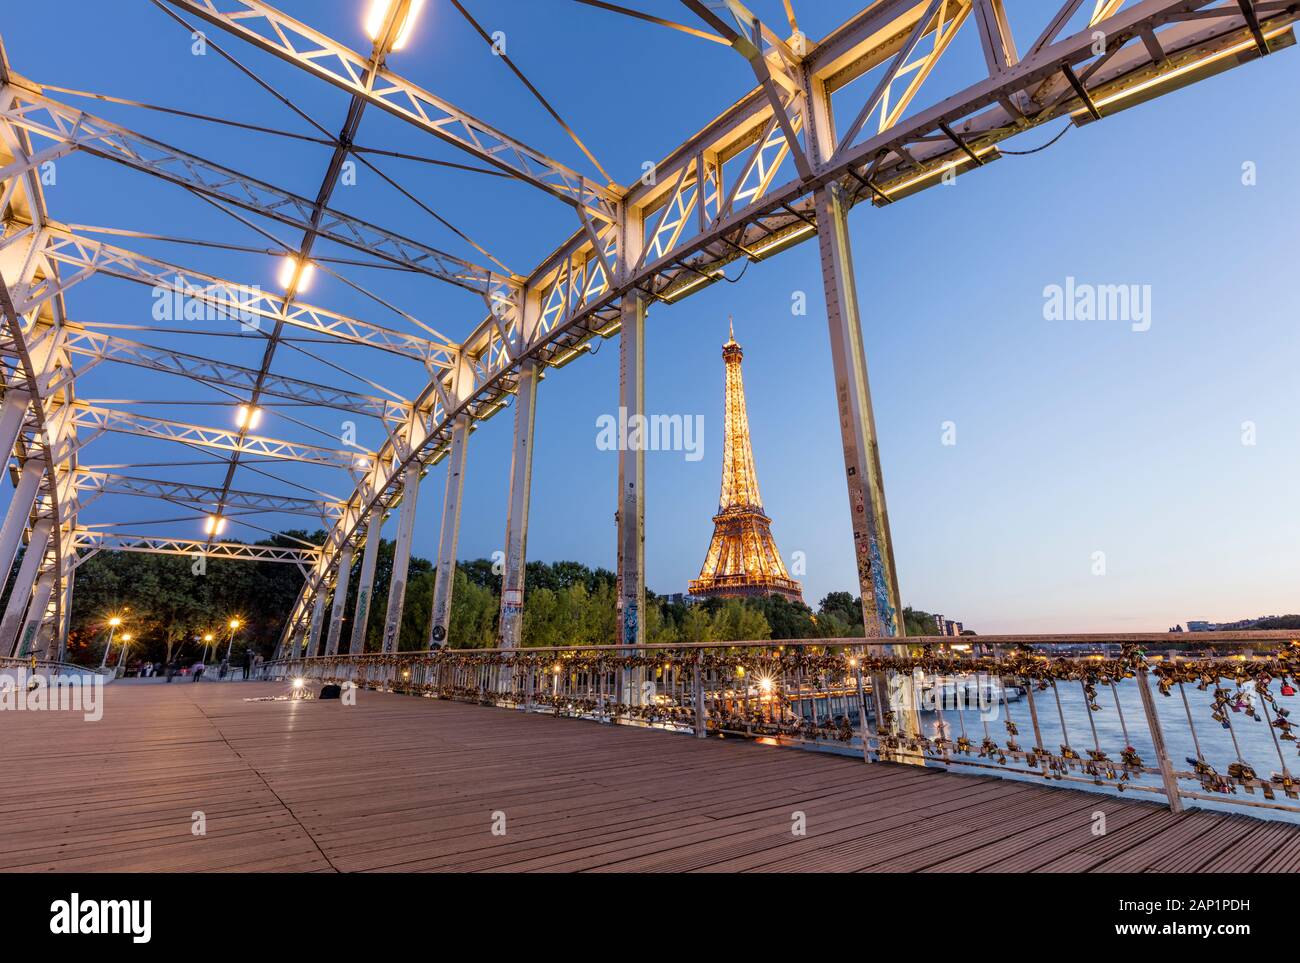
{"x":1253,"y":741}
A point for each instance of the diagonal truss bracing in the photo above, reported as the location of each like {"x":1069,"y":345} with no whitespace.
{"x":203,"y":497}
{"x":92,"y":419}
{"x":88,"y":542}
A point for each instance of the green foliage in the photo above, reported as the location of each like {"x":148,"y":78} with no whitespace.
{"x":166,"y":605}
{"x":920,"y":623}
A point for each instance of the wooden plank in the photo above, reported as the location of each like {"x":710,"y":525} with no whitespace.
{"x":404,"y":784}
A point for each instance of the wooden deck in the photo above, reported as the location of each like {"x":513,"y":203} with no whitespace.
{"x":404,"y":784}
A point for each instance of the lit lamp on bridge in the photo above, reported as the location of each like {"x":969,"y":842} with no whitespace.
{"x":294,"y":276}
{"x":207,"y":642}
{"x":234,"y":625}
{"x":126,"y":644}
{"x":377,"y":17}
{"x":247,"y":416}
{"x":113,"y":623}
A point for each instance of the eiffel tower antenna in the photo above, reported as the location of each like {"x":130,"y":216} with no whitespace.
{"x":743,"y":558}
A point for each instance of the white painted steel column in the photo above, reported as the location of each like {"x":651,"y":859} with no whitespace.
{"x":366,"y":581}
{"x":444,"y":581}
{"x":36,"y":614}
{"x":882,"y":608}
{"x":631,"y":474}
{"x":521,"y":477}
{"x":11,"y":621}
{"x":317,"y":619}
{"x":401,"y":557}
{"x":20,"y":510}
{"x":12,"y":413}
{"x":342,"y":576}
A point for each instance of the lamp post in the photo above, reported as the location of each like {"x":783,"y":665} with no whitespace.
{"x":207,"y":643}
{"x":121,"y":658}
{"x":234,"y":627}
{"x":113,"y":623}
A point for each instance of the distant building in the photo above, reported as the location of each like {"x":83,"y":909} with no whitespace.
{"x":942,"y":624}
{"x":1196,"y":626}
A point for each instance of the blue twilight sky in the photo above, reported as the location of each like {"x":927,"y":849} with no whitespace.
{"x":1072,"y":437}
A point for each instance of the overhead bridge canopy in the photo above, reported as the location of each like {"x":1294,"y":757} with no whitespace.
{"x":232,"y":393}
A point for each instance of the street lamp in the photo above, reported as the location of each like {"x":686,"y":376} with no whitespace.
{"x":234,"y":627}
{"x":113,"y":623}
{"x":121,"y":658}
{"x":207,"y":642}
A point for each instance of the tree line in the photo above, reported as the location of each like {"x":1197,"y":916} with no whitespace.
{"x":168,"y":608}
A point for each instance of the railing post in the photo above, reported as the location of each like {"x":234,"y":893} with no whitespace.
{"x":1158,"y":740}
{"x":862,"y":711}
{"x":697,"y":684}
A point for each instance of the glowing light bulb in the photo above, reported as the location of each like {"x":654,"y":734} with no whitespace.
{"x":247,"y":416}
{"x":378,"y":14}
{"x":289,"y":273}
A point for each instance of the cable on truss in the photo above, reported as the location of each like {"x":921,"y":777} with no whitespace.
{"x":533,"y":90}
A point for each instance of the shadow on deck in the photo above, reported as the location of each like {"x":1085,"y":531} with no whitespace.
{"x":404,"y":784}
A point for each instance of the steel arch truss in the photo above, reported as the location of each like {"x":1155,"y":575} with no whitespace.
{"x":861,"y":112}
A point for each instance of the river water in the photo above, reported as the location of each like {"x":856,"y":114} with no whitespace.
{"x":1063,"y":717}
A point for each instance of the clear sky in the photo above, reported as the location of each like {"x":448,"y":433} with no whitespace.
{"x":1072,"y":437}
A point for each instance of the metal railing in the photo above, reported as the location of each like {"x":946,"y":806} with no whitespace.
{"x":49,"y":667}
{"x":1127,"y":713}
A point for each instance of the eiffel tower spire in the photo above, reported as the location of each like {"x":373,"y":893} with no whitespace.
{"x":743,"y":558}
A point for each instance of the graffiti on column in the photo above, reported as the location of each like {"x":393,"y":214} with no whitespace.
{"x":630,"y":622}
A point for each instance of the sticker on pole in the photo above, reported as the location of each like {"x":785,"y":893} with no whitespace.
{"x":513,"y":597}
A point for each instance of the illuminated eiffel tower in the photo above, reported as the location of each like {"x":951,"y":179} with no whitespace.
{"x":743,"y":558}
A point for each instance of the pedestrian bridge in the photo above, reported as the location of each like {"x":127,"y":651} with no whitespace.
{"x":242,"y":776}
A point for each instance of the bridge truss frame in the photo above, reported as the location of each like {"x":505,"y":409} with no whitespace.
{"x":722,"y":195}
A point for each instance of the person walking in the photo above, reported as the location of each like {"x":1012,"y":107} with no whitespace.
{"x":198,"y":670}
{"x":248,"y":661}
{"x":171,"y":668}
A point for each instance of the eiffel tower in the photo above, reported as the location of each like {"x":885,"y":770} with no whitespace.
{"x":742,"y":558}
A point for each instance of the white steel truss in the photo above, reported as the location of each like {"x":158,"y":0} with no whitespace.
{"x":103,"y":347}
{"x":745,"y":187}
{"x":93,"y":420}
{"x":203,"y":497}
{"x":88,"y":542}
{"x":248,"y":305}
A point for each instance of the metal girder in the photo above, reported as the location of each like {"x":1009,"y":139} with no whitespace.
{"x":191,"y":292}
{"x":203,"y":497}
{"x":96,"y":419}
{"x":34,"y":340}
{"x":773,"y":62}
{"x":59,"y":122}
{"x":104,"y":347}
{"x":939,"y":23}
{"x":88,"y":542}
{"x":996,"y":39}
{"x":267,"y":28}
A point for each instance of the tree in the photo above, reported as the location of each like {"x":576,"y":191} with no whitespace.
{"x":696,"y":626}
{"x":736,"y":621}
{"x":474,"y":613}
{"x":168,"y":603}
{"x":919,"y":623}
